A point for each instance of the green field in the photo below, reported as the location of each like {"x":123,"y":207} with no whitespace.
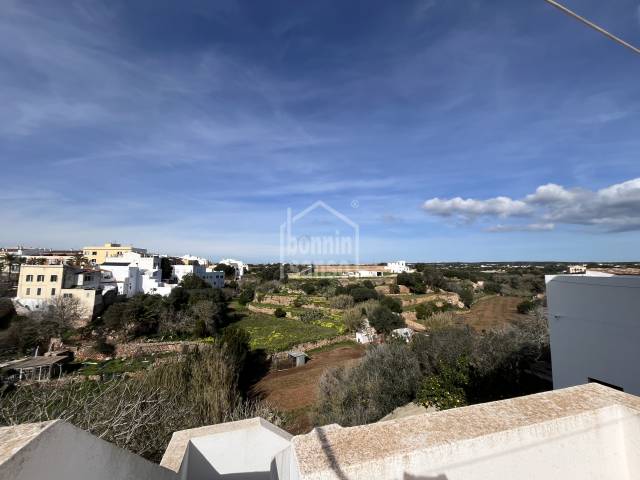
{"x":277,"y":334}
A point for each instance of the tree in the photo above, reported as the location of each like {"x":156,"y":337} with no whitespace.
{"x":353,"y":319}
{"x":64,"y":312}
{"x":78,"y":260}
{"x":208,"y":314}
{"x":361,"y":294}
{"x":7,"y":312}
{"x":166,"y":268}
{"x":229,"y":270}
{"x":466,"y":296}
{"x":394,"y":288}
{"x":192,"y":282}
{"x":384,"y":320}
{"x":280,"y":312}
{"x":246,"y":295}
{"x":392,"y":304}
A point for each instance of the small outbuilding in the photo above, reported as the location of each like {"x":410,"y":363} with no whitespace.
{"x":300,"y":358}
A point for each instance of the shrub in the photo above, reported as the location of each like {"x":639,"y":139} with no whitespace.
{"x":439,"y":320}
{"x":299,"y":301}
{"x":525,"y":306}
{"x":353,"y":319}
{"x":246,"y":295}
{"x":492,"y":287}
{"x":191,"y":282}
{"x":384,"y":320}
{"x":426,"y":309}
{"x":394,"y":288}
{"x":466,"y":296}
{"x":311,"y":315}
{"x":447,"y":388}
{"x":392,"y":304}
{"x":386,"y":378}
{"x":280,"y":312}
{"x":361,"y":294}
{"x":341,"y":301}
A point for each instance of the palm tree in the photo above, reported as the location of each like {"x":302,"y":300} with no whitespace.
{"x":78,"y":260}
{"x":11,"y":260}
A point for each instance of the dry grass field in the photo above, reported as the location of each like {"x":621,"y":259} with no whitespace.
{"x":491,"y":312}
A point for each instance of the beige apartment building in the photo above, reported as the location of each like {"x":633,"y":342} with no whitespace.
{"x":98,"y":255}
{"x":39,"y":285}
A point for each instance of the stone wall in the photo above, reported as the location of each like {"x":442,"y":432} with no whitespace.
{"x":304,"y":347}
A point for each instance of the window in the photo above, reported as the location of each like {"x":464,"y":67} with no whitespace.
{"x":66,"y":295}
{"x":610,"y":385}
{"x":28,"y":291}
{"x":54,"y":278}
{"x":94,"y":253}
{"x":39,"y":291}
{"x":29,"y":278}
{"x":40,"y":278}
{"x":87,"y":278}
{"x":53,"y":292}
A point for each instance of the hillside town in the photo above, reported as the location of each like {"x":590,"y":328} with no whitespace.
{"x":419,"y":338}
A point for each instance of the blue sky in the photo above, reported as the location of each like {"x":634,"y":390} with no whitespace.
{"x":448,"y":130}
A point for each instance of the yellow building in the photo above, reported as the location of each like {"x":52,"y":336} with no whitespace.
{"x":39,"y":285}
{"x":98,"y":255}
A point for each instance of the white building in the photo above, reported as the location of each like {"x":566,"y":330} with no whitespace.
{"x":366,"y":333}
{"x":589,"y":432}
{"x":577,"y":269}
{"x":215,"y":278}
{"x":192,"y":259}
{"x":594,"y":323}
{"x":134,"y":273}
{"x":399,"y":266}
{"x":239,"y":265}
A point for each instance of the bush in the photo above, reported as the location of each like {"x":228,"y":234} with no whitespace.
{"x":386,"y":378}
{"x":341,"y":301}
{"x":392,"y":304}
{"x":280,"y":312}
{"x":492,"y":287}
{"x":447,"y":388}
{"x":361,"y":294}
{"x":525,"y":306}
{"x":192,"y":282}
{"x":394,"y":288}
{"x":7,"y":312}
{"x":426,"y":309}
{"x":384,"y":320}
{"x":353,"y":319}
{"x":246,"y":295}
{"x":311,"y":315}
{"x":104,"y":347}
{"x":466,"y":296}
{"x":439,"y":320}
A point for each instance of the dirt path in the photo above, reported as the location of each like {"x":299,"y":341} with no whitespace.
{"x":493,"y":312}
{"x":295,"y":390}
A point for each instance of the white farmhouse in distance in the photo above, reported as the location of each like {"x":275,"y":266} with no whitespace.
{"x":577,"y":269}
{"x":399,"y":266}
{"x":594,"y":325}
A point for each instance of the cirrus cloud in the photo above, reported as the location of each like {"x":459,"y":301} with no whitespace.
{"x":614,"y":208}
